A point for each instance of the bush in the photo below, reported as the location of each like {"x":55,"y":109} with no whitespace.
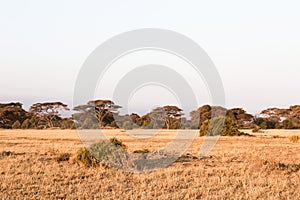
{"x":67,"y":124}
{"x":294,"y":138}
{"x":63,"y":157}
{"x":117,"y":143}
{"x":220,"y":126}
{"x":103,"y":151}
{"x":127,"y":125}
{"x":85,"y":156}
{"x":16,"y":125}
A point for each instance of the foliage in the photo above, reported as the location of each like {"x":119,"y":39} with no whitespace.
{"x":117,"y":143}
{"x":220,"y":126}
{"x":127,"y":125}
{"x":48,"y":113}
{"x":25,"y":124}
{"x":97,"y":111}
{"x":102,"y":151}
{"x":85,"y":156}
{"x":10,"y":113}
{"x":16,"y":125}
{"x":67,"y":124}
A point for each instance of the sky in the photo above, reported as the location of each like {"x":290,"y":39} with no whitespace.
{"x":255,"y":46}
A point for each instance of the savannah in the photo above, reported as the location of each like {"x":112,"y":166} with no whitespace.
{"x":149,"y":100}
{"x":264,"y":165}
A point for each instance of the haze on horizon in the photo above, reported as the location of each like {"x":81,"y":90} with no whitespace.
{"x":254,"y":45}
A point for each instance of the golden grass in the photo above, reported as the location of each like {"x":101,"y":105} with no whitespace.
{"x":263,"y":167}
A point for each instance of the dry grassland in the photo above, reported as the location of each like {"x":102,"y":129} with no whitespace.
{"x":266,"y":166}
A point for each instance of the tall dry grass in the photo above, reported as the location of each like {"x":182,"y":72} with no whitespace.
{"x":259,"y":167}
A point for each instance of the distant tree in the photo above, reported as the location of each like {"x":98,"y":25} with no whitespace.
{"x":102,"y":110}
{"x":169,"y":114}
{"x":10,"y":113}
{"x":48,"y":112}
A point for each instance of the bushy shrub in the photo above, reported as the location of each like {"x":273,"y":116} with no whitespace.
{"x":127,"y":125}
{"x":106,"y":152}
{"x":117,"y":143}
{"x":294,"y":138}
{"x":85,"y":156}
{"x":67,"y":124}
{"x":220,"y":126}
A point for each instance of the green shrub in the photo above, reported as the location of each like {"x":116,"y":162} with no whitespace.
{"x":63,"y":157}
{"x":103,"y":151}
{"x":294,"y":138}
{"x":67,"y":124}
{"x":111,"y":153}
{"x":220,"y":126}
{"x":117,"y":143}
{"x":127,"y":125}
{"x":85,"y":156}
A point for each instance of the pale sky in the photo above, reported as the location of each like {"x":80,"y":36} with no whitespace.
{"x":255,"y":45}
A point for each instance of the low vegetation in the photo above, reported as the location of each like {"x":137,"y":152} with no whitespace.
{"x":228,"y":172}
{"x":85,"y":157}
{"x":101,"y":152}
{"x":103,"y":114}
{"x":63,"y":157}
{"x":220,"y":126}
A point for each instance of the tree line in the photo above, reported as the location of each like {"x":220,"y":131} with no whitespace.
{"x":104,"y":114}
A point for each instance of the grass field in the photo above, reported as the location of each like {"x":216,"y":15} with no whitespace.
{"x":266,"y":166}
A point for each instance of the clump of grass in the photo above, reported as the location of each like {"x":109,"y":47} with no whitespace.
{"x":294,"y":138}
{"x":85,"y":156}
{"x":63,"y":157}
{"x":103,"y":151}
{"x":117,"y":143}
{"x":143,"y":151}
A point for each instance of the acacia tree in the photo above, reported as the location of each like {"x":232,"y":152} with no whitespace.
{"x":48,"y":111}
{"x":101,"y":109}
{"x":168,"y":114}
{"x":10,"y":113}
